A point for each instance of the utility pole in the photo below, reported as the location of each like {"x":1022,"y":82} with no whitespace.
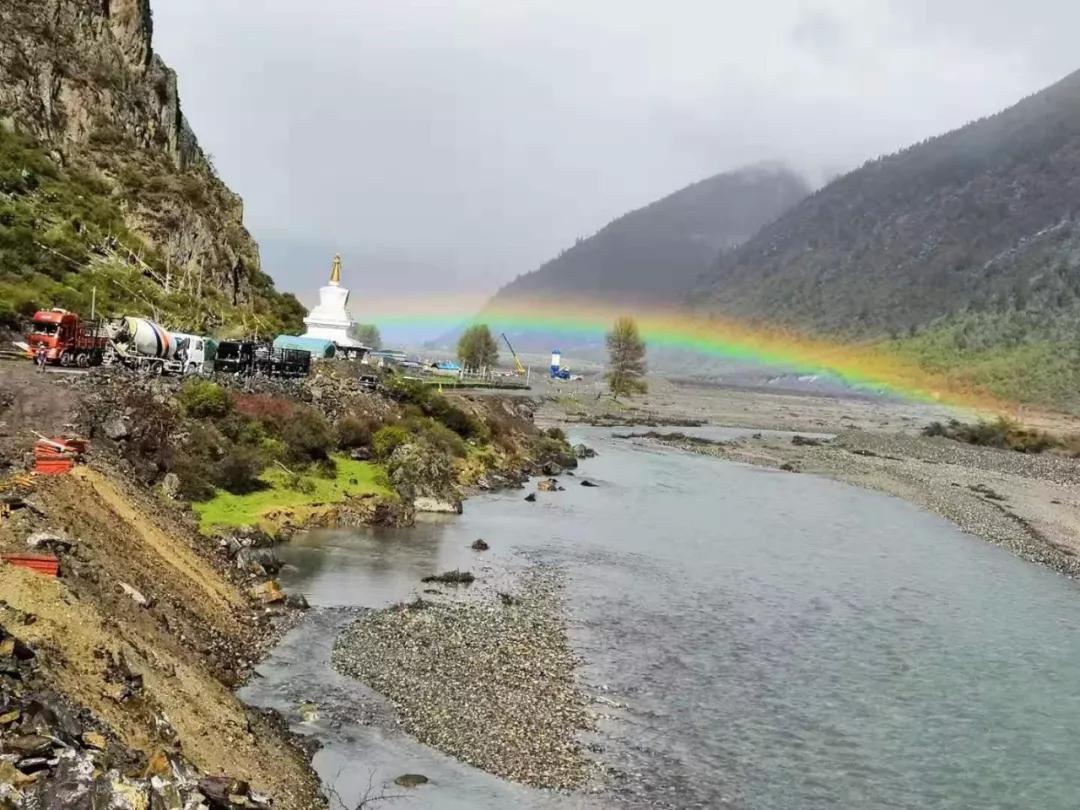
{"x":93,"y":302}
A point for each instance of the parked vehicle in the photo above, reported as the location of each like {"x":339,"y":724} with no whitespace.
{"x":66,"y":339}
{"x":246,"y":357}
{"x":194,"y":353}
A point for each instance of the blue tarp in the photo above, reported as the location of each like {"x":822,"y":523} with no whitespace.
{"x":320,"y":349}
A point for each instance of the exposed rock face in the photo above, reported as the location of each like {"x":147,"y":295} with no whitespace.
{"x":82,"y":78}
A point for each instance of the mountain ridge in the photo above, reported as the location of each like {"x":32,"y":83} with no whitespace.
{"x":658,"y":250}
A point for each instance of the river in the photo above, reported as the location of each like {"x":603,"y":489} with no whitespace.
{"x":778,"y":640}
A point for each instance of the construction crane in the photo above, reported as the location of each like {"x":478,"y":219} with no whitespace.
{"x":517,"y":360}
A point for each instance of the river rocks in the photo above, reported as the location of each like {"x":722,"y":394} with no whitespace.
{"x":588,"y":483}
{"x":297,"y":601}
{"x":581,"y":451}
{"x":258,"y":562}
{"x":449,"y":506}
{"x":479,"y":545}
{"x":551,"y":468}
{"x":549,"y":485}
{"x":268,"y":593}
{"x":411,"y":780}
{"x":492,"y":684}
{"x":531,"y":497}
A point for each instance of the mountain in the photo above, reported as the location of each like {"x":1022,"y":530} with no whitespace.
{"x":103,"y":184}
{"x":657,"y":253}
{"x":962,"y":251}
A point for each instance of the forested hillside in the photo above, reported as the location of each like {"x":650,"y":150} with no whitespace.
{"x":657,"y":253}
{"x":962,"y":251}
{"x":103,"y":185}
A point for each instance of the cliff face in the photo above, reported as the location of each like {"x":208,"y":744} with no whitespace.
{"x":80,"y":78}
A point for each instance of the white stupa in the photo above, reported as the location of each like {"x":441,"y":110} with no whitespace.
{"x":330,"y":320}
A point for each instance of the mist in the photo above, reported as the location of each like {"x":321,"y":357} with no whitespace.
{"x":449,"y":147}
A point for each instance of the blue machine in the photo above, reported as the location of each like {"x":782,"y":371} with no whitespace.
{"x":557,"y":371}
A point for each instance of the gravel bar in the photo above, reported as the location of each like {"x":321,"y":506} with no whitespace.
{"x":487,"y":679}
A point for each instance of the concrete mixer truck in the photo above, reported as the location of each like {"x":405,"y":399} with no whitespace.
{"x":141,"y":344}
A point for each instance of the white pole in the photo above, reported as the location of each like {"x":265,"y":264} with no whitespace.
{"x":93,"y":302}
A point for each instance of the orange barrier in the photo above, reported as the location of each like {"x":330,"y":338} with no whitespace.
{"x":47,"y":564}
{"x":57,"y":456}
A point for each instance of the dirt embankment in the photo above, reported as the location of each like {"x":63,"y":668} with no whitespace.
{"x":143,"y":635}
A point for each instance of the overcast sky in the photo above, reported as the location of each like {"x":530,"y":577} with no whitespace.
{"x":459,"y":144}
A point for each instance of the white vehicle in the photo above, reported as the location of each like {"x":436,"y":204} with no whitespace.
{"x":142,"y":344}
{"x":190,"y":356}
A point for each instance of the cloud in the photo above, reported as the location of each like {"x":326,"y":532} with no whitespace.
{"x":477,"y":139}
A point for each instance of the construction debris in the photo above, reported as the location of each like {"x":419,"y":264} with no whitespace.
{"x":57,"y":456}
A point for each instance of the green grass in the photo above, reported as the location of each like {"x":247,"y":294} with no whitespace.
{"x":353,"y":478}
{"x":1026,"y":358}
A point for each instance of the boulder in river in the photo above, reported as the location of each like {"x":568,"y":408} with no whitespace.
{"x":480,"y":545}
{"x":588,"y":483}
{"x":449,"y":506}
{"x":531,"y":497}
{"x":260,"y":562}
{"x":581,"y":451}
{"x":549,"y":485}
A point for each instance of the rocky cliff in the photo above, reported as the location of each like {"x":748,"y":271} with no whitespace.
{"x":80,"y":80}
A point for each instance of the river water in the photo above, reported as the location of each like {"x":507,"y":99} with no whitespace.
{"x":778,"y":640}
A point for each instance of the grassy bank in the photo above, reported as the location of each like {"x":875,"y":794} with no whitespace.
{"x":285,"y":493}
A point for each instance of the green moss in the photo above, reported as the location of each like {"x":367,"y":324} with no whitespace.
{"x":350,"y":479}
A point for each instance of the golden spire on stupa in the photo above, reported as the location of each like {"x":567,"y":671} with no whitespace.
{"x":335,"y":271}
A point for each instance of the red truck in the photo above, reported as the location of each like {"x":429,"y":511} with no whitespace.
{"x":66,"y":339}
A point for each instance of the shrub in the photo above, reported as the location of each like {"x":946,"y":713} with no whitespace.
{"x":307,"y":435}
{"x":239,"y":470}
{"x":195,"y":482}
{"x":437,"y":435}
{"x":556,"y":433}
{"x":202,"y":398}
{"x":264,"y":407}
{"x":352,"y":431}
{"x":1002,"y":433}
{"x":388,"y":439}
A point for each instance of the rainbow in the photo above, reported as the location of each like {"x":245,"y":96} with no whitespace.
{"x":862,"y":366}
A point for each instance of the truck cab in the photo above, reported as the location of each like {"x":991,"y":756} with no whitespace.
{"x":65,"y":339}
{"x":194,"y":353}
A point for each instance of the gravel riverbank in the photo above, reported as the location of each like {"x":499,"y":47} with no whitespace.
{"x":485,"y":675}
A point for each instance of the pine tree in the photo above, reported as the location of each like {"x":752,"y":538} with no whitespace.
{"x":477,"y":348}
{"x":626,"y":359}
